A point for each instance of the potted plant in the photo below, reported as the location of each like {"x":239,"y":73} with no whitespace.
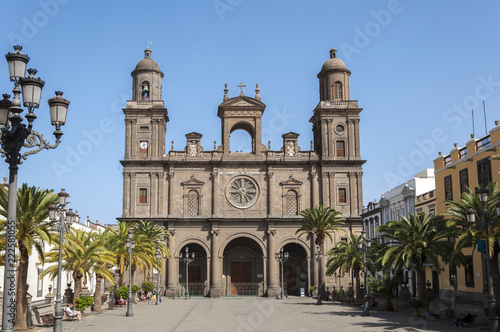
{"x":415,"y":304}
{"x":384,"y":287}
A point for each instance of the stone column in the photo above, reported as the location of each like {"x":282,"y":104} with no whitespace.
{"x":270,"y":205}
{"x":170,"y":193}
{"x":126,"y":194}
{"x":324,"y":138}
{"x":172,"y":267}
{"x":216,"y":271}
{"x":272,"y":289}
{"x":353,"y":206}
{"x":359,"y":192}
{"x":133,"y":140}
{"x":215,"y":193}
{"x":314,"y":188}
{"x":314,"y":272}
{"x":324,"y":186}
{"x":333,"y":194}
{"x":154,"y":135}
{"x":128,"y":138}
{"x":133,"y":193}
{"x":330,"y":138}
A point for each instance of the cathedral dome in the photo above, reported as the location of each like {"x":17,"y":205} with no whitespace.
{"x":334,"y":63}
{"x":147,"y":63}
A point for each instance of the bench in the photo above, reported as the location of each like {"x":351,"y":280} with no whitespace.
{"x":68,"y":317}
{"x":47,"y":320}
{"x":432,"y":315}
{"x":465,"y":320}
{"x":112,"y":306}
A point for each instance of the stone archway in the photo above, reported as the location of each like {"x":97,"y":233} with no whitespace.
{"x":197,"y":271}
{"x":296,"y":270}
{"x":243,"y":268}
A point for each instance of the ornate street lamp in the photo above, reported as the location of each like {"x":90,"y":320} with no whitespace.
{"x":130,"y":244}
{"x":318,"y":255}
{"x":364,"y":245}
{"x":282,"y":257}
{"x":158,"y":256}
{"x":186,"y":259}
{"x":62,"y":221}
{"x":486,"y":223}
{"x":15,"y":135}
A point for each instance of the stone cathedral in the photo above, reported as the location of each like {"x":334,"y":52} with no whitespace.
{"x":234,"y":210}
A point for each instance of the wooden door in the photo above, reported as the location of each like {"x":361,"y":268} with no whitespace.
{"x":194,"y":274}
{"x":240,"y":272}
{"x":290,"y":277}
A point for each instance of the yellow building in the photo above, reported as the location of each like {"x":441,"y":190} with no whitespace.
{"x":466,"y":167}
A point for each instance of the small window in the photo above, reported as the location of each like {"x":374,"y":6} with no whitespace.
{"x":342,"y":195}
{"x":143,"y":196}
{"x":340,"y":148}
{"x":463,"y":153}
{"x":292,"y":206}
{"x":337,"y":91}
{"x":343,"y":239}
{"x":144,"y":128}
{"x":447,"y":160}
{"x":464,"y":180}
{"x":432,"y":211}
{"x":469,"y":271}
{"x":448,"y":190}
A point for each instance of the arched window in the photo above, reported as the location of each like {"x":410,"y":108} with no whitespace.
{"x":193,"y":203}
{"x":340,"y":148}
{"x":145,"y":90}
{"x":292,"y":205}
{"x":337,"y":91}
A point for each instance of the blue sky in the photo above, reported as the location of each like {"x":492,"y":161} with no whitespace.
{"x":418,"y":67}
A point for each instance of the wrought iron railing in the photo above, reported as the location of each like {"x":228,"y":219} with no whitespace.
{"x":244,"y":288}
{"x":196,"y":289}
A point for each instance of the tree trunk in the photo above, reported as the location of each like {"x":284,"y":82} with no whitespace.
{"x":321,"y":275}
{"x":421,"y":284}
{"x":495,"y":273}
{"x":97,"y":293}
{"x":78,"y":287}
{"x":359,"y":296}
{"x":120,"y":279}
{"x":21,"y":300}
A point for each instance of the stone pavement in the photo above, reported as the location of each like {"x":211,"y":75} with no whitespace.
{"x":248,"y":314}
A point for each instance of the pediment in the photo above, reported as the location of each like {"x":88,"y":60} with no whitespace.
{"x":291,"y":181}
{"x":192,"y":181}
{"x":407,"y":191}
{"x":242,"y":101}
{"x":383,"y":201}
{"x":290,"y":134}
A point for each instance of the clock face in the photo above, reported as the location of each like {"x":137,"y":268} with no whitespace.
{"x":143,"y":145}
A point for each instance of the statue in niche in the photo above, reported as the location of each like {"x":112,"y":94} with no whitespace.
{"x":290,"y":149}
{"x":193,"y":151}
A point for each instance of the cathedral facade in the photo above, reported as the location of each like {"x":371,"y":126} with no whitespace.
{"x":236,"y":211}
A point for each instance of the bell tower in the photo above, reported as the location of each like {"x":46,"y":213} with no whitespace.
{"x":336,"y":117}
{"x":145,"y":115}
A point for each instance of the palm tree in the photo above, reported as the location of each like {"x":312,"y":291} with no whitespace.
{"x":472,"y":235}
{"x":33,"y":230}
{"x":102,"y":266}
{"x":414,"y":240}
{"x":81,"y":254}
{"x":320,"y":221}
{"x":154,"y":234}
{"x":346,"y":256}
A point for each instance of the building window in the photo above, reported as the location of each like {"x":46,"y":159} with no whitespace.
{"x":193,"y":203}
{"x":145,"y":90}
{"x":463,"y":153}
{"x":484,"y":142}
{"x":469,"y":271}
{"x":292,"y":206}
{"x":144,"y":128}
{"x":484,"y":172}
{"x":342,"y":195}
{"x":448,"y":190}
{"x":340,"y":149}
{"x":143,"y":196}
{"x":464,"y":180}
{"x":337,"y":91}
{"x":453,"y":274}
{"x":143,"y":149}
{"x":432,"y":211}
{"x":447,"y":160}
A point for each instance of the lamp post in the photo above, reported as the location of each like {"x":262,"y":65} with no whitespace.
{"x":364,"y":246}
{"x":130,"y":244}
{"x":158,"y":256}
{"x":318,"y":255}
{"x":62,"y":221}
{"x":14,"y":135}
{"x":282,"y":257}
{"x":186,"y":259}
{"x":487,"y":222}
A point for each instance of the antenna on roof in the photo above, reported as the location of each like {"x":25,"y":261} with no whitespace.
{"x":485,"y":125}
{"x":473,"y":132}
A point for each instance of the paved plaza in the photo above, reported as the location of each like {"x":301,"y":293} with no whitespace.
{"x":251,"y":314}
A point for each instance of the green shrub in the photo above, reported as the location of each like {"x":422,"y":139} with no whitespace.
{"x":148,"y":286}
{"x":84,"y":302}
{"x":415,"y":304}
{"x":122,"y":292}
{"x":135,"y":289}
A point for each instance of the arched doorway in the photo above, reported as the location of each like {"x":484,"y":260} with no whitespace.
{"x":243,"y":269}
{"x":295,"y":270}
{"x":197,"y":272}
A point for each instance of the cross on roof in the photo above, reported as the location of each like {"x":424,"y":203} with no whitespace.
{"x":148,"y":43}
{"x":241,"y":85}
